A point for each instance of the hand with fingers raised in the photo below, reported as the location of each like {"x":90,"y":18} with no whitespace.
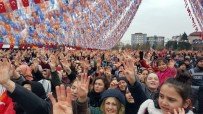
{"x":52,"y":63}
{"x":83,"y":87}
{"x":5,"y":74}
{"x":129,"y":71}
{"x":66,"y":65}
{"x":63,"y":105}
{"x":180,"y":111}
{"x":171,"y":63}
{"x":35,"y":64}
{"x":114,"y":84}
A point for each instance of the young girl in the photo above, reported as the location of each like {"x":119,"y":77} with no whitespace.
{"x":174,"y":97}
{"x":165,"y":69}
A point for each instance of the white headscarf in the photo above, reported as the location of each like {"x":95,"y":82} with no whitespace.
{"x":2,"y":89}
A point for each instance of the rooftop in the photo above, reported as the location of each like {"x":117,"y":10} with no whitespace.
{"x":196,"y":34}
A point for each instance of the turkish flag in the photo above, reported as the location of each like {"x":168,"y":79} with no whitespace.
{"x":13,"y":4}
{"x":25,"y":3}
{"x":2,"y":7}
{"x":21,"y":46}
{"x":37,"y":1}
{"x":11,"y":46}
{"x":201,"y":35}
{"x":47,"y":47}
{"x":1,"y":44}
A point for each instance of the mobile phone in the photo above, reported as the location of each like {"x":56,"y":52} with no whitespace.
{"x":141,"y":55}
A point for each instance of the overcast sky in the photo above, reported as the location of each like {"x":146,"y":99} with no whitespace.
{"x":160,"y":17}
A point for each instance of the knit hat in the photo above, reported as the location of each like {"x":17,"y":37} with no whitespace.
{"x":113,"y":93}
{"x":181,"y":63}
{"x":199,"y":59}
{"x":122,"y":78}
{"x":187,"y":59}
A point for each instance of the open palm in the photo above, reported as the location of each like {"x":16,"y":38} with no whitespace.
{"x":64,"y":104}
{"x":83,"y":85}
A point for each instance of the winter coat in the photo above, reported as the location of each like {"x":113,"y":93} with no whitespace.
{"x":168,"y":73}
{"x":139,"y":97}
{"x":148,"y":106}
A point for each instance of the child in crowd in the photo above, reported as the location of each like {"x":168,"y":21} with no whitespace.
{"x":166,"y":70}
{"x":174,"y":97}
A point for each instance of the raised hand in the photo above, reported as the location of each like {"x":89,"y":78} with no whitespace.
{"x":5,"y":73}
{"x":64,"y":104}
{"x":35,"y":65}
{"x":66,"y":65}
{"x":52,"y":63}
{"x":83,"y":87}
{"x":114,"y":84}
{"x":171,"y":63}
{"x":84,"y":65}
{"x":129,"y":71}
{"x":16,"y":74}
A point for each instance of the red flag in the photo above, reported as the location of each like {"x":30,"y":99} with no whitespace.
{"x":201,"y":35}
{"x":25,"y":46}
{"x":25,"y":3}
{"x":2,"y":7}
{"x":11,"y":46}
{"x":1,"y":44}
{"x":37,"y":1}
{"x":13,"y":4}
{"x":20,"y":46}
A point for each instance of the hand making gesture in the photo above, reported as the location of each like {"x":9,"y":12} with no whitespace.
{"x":5,"y":74}
{"x":63,"y":105}
{"x":171,"y":63}
{"x":83,"y":87}
{"x":129,"y":69}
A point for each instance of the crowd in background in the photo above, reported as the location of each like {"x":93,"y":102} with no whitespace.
{"x":42,"y":81}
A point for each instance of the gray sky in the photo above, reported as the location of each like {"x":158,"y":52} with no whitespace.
{"x":162,"y":18}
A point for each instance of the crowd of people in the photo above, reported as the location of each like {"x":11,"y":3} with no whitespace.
{"x":39,"y":81}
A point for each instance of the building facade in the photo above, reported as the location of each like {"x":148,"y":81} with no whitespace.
{"x":138,"y":38}
{"x":196,"y":39}
{"x":154,"y":40}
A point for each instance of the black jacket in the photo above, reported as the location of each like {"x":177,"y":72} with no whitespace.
{"x":31,"y":103}
{"x":139,"y":97}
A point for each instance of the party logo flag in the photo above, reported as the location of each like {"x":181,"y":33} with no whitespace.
{"x":13,"y":4}
{"x":2,"y":7}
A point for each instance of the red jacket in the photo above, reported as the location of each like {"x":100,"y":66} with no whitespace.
{"x":144,"y":64}
{"x":169,"y":72}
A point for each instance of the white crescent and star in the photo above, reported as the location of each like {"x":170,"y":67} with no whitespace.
{"x":13,"y":3}
{"x":1,"y":6}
